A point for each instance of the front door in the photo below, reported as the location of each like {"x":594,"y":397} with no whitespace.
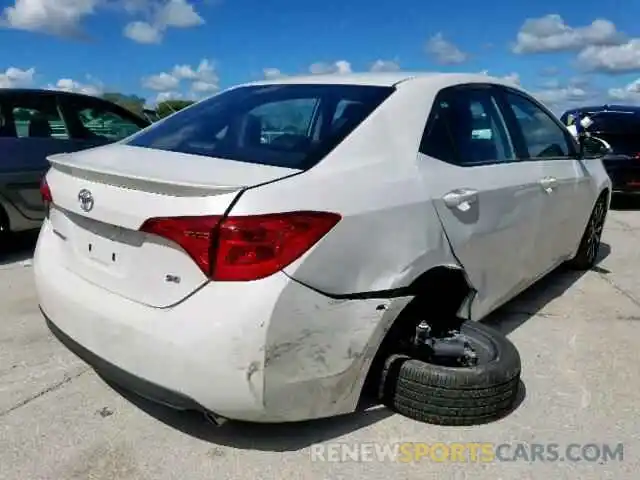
{"x":489,"y":202}
{"x":564,"y":180}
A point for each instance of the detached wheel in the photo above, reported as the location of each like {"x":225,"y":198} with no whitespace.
{"x":456,"y":395}
{"x":589,"y":248}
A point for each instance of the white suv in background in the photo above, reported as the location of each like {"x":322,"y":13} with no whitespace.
{"x":202,"y":267}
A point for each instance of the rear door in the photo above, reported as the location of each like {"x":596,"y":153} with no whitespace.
{"x":488,"y":200}
{"x":564,"y":181}
{"x":33,"y":130}
{"x":94,"y":122}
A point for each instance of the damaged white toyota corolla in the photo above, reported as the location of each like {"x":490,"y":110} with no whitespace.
{"x":279,"y":250}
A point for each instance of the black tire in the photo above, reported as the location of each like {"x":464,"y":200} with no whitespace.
{"x":444,"y":395}
{"x":587,"y":254}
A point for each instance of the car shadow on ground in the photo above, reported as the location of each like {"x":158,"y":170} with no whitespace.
{"x":19,"y":248}
{"x":628,"y":202}
{"x":281,"y":437}
{"x":529,"y":303}
{"x":300,"y":435}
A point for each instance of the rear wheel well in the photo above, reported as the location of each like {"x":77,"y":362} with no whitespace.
{"x":440,"y":292}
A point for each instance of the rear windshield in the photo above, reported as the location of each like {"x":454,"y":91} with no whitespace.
{"x":291,"y":126}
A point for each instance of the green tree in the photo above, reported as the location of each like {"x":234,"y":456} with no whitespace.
{"x":170,"y":106}
{"x":132,"y":103}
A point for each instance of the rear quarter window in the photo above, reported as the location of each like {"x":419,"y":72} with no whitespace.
{"x":291,"y":126}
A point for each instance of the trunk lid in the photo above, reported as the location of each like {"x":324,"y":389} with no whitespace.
{"x":124,"y":186}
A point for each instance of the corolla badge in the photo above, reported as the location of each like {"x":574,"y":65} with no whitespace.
{"x":86,"y":200}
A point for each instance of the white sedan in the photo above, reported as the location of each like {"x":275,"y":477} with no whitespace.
{"x":353,"y":253}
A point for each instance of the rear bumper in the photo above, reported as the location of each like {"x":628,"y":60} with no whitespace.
{"x":271,"y":350}
{"x":122,"y":378}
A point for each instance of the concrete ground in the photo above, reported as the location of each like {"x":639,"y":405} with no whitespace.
{"x":578,"y":336}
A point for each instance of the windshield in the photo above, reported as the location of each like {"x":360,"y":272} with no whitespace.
{"x":291,"y":126}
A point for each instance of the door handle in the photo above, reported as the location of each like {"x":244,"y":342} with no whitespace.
{"x":548,"y":183}
{"x":457,"y":198}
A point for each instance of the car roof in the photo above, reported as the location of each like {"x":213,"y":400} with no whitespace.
{"x":42,"y":91}
{"x":606,"y":108}
{"x":382,"y":79}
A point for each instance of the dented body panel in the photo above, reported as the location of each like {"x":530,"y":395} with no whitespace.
{"x":279,"y":352}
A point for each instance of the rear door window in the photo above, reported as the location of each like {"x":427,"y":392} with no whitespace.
{"x":37,"y":116}
{"x":94,"y":119}
{"x":289,"y":125}
{"x":467,"y":128}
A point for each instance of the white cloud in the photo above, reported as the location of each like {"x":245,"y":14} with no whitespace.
{"x":385,"y":66}
{"x":551,"y":34}
{"x":164,"y":96}
{"x":69,"y":85}
{"x":161,"y":82}
{"x":512,"y":77}
{"x":205,"y":72}
{"x":445,"y":52}
{"x":142,"y":32}
{"x":64,"y":17}
{"x":561,"y":95}
{"x":322,"y":68}
{"x":204,"y":87}
{"x":170,"y":14}
{"x":203,"y":79}
{"x":178,"y":14}
{"x":629,"y":93}
{"x":57,"y":17}
{"x":622,"y":58}
{"x":14,"y":77}
{"x":270,"y":73}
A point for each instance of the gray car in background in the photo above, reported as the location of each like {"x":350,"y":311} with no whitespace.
{"x":38,"y":123}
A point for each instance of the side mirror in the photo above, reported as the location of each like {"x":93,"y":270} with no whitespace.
{"x":593,"y":147}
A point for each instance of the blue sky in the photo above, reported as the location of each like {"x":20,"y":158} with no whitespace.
{"x":565,"y":52}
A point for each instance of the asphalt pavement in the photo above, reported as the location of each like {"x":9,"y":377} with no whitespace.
{"x":578,"y":335}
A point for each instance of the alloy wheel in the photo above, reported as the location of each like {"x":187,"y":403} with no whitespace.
{"x":594,"y":230}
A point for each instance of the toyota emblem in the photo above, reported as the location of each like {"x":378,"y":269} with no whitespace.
{"x":86,"y":200}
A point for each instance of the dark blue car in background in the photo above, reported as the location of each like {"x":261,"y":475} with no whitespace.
{"x":619,"y":127}
{"x":38,"y":123}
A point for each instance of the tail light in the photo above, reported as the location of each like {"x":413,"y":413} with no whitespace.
{"x":248,"y":247}
{"x":45,"y":192}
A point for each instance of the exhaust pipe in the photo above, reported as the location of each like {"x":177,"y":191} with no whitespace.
{"x":214,"y":419}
